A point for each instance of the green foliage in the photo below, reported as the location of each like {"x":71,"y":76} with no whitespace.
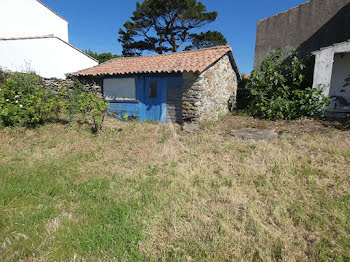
{"x":207,"y":39}
{"x":283,"y":90}
{"x":77,"y":100}
{"x":165,"y":25}
{"x":69,"y":100}
{"x":101,"y":57}
{"x":3,"y":75}
{"x":243,"y":93}
{"x":93,"y":107}
{"x":24,"y":102}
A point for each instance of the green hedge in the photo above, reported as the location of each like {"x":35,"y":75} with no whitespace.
{"x":24,"y":102}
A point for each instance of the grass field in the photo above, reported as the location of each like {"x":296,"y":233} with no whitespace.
{"x":135,"y":193}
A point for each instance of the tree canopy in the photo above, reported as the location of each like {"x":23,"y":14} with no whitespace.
{"x":101,"y":57}
{"x":206,"y":39}
{"x":165,"y":26}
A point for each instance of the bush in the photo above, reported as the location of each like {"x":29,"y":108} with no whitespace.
{"x":23,"y":101}
{"x":3,"y":75}
{"x":93,"y":107}
{"x":69,"y":100}
{"x":243,"y":93}
{"x":283,"y":90}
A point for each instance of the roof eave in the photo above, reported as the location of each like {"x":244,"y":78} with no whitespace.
{"x":234,"y":65}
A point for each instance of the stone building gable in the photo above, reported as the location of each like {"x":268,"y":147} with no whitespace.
{"x":218,"y":84}
{"x":206,"y":96}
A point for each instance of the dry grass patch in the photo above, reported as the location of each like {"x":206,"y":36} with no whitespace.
{"x":135,"y":193}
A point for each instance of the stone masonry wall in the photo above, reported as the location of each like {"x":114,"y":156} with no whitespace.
{"x":91,"y":84}
{"x":207,"y":95}
{"x":218,"y":86}
{"x":191,"y":98}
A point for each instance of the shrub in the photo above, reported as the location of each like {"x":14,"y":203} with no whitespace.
{"x":283,"y":90}
{"x":93,"y":107}
{"x":69,"y":100}
{"x":23,"y":101}
{"x":243,"y":97}
{"x":3,"y":75}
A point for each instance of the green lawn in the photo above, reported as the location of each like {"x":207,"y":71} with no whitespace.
{"x":135,"y":193}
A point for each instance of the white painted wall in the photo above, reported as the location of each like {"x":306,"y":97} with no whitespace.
{"x":24,"y":18}
{"x":48,"y":57}
{"x":119,"y":89}
{"x":341,"y":71}
{"x":323,"y":70}
{"x":332,"y":66}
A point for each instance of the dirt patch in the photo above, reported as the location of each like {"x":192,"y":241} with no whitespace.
{"x":230,"y":122}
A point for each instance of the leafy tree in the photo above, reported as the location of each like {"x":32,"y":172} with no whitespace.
{"x":283,"y":90}
{"x":207,"y":39}
{"x":101,"y":57}
{"x":165,"y":25}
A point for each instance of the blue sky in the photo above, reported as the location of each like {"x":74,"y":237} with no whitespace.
{"x":94,"y":24}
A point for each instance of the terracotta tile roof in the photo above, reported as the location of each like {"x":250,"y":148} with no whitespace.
{"x":246,"y":76}
{"x":187,"y":61}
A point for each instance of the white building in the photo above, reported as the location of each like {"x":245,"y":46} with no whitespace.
{"x":35,"y":38}
{"x":332,"y":73}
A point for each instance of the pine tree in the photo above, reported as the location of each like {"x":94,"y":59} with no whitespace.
{"x":165,"y":26}
{"x":101,"y":57}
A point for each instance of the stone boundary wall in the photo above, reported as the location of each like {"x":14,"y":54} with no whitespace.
{"x":91,"y":84}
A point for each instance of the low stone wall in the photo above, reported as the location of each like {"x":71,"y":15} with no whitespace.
{"x":91,"y":84}
{"x":55,"y":84}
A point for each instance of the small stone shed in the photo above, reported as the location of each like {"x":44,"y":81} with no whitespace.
{"x":183,"y":87}
{"x":332,"y":73}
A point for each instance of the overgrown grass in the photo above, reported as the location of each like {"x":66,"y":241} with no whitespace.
{"x":133,"y":193}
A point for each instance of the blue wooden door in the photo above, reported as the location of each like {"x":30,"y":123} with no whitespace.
{"x":155,"y":99}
